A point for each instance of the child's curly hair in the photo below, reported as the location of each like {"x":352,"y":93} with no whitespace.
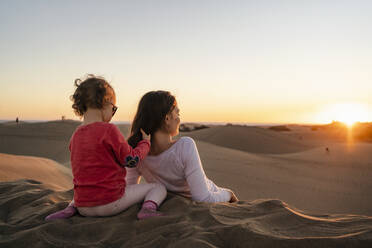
{"x":93,"y":92}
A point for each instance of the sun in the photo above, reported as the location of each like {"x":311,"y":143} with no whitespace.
{"x":348,"y":113}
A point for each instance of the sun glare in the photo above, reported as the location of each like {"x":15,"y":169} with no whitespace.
{"x":348,"y":113}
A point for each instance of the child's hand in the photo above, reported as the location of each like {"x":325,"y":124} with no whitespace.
{"x":145,"y":136}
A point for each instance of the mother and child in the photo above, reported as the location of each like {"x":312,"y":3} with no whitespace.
{"x":107,"y":168}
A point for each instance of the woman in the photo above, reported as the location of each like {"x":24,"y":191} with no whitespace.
{"x":174,"y":163}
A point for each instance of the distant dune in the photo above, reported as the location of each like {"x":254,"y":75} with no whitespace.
{"x":44,"y":139}
{"x":250,"y":139}
{"x":360,"y":131}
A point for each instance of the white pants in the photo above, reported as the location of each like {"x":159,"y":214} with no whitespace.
{"x":134,"y":193}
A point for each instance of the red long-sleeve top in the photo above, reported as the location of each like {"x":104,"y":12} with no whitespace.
{"x":99,"y":154}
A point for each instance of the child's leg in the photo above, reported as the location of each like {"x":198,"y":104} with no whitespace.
{"x":146,"y":192}
{"x":135,"y":193}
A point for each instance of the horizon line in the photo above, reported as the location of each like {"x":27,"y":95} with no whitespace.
{"x":187,"y":122}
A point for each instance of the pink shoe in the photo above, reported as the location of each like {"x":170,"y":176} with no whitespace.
{"x":149,"y":210}
{"x":69,"y":211}
{"x":147,"y":213}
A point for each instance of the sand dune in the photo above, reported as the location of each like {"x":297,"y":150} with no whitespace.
{"x":250,"y":139}
{"x":49,"y":139}
{"x":46,"y":139}
{"x":260,"y":223}
{"x":47,"y":171}
{"x":327,"y":184}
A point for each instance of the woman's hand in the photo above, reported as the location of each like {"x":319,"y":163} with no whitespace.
{"x":233,"y":197}
{"x":145,"y":136}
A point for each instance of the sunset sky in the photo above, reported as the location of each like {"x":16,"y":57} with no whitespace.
{"x":225,"y":61}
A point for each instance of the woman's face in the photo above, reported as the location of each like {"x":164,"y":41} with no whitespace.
{"x":172,"y":121}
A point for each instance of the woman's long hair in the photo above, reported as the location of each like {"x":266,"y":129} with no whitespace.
{"x":151,"y":112}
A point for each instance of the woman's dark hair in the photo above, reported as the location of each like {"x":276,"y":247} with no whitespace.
{"x":92,"y":93}
{"x":151,"y":112}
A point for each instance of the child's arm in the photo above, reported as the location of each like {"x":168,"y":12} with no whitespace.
{"x":124,"y":153}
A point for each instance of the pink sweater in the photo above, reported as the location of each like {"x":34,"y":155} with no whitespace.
{"x":99,"y":156}
{"x":180,"y":170}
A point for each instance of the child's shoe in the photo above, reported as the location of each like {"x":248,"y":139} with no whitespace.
{"x":69,"y":211}
{"x":149,"y":209}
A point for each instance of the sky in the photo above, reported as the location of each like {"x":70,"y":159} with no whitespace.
{"x":225,"y":61}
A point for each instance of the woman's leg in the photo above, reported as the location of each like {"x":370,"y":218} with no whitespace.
{"x":135,"y":193}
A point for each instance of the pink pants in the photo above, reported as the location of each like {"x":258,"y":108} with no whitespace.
{"x":134,"y":193}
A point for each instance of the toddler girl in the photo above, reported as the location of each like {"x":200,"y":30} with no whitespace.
{"x":100,"y":155}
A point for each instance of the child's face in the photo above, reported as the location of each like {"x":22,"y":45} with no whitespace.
{"x":109,"y":107}
{"x":108,"y":111}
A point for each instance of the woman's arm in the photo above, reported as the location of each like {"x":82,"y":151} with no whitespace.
{"x":196,"y":178}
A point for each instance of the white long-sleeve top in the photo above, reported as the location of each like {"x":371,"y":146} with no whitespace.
{"x":180,"y":170}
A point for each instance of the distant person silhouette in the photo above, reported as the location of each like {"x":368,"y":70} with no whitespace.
{"x":327,"y":150}
{"x":17,"y":120}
